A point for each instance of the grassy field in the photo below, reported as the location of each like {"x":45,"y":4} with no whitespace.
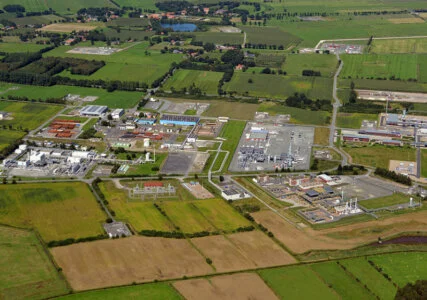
{"x":27,"y":115}
{"x":386,"y":201}
{"x":354,"y":120}
{"x":298,"y":115}
{"x":221,"y":215}
{"x":133,"y":64}
{"x":399,"y":46}
{"x":321,"y":136}
{"x":146,"y":169}
{"x":402,"y":267}
{"x":9,"y":136}
{"x":361,"y":269}
{"x":116,"y":99}
{"x":206,"y":81}
{"x":380,"y":66}
{"x":279,"y":86}
{"x":27,"y":272}
{"x":60,"y":7}
{"x":155,"y":291}
{"x":296,"y":63}
{"x":290,"y":283}
{"x":235,"y":110}
{"x":269,"y":36}
{"x":423,"y":163}
{"x":231,"y":131}
{"x":58,"y":210}
{"x":369,"y":155}
{"x":219,"y":37}
{"x":402,"y":86}
{"x":335,"y":277}
{"x":187,"y":217}
{"x":141,"y":215}
{"x":20,"y":47}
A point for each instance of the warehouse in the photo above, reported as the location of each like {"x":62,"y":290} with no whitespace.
{"x":387,"y":133}
{"x":355,"y":138}
{"x":93,"y":110}
{"x":179,"y":120}
{"x":117,"y":113}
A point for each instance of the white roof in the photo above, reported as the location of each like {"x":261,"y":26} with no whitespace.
{"x":325,"y":177}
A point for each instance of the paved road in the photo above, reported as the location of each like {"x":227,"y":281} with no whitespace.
{"x":375,"y":38}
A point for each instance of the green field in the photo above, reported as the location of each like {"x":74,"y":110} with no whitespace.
{"x":57,"y":210}
{"x":141,"y":215}
{"x":205,"y":80}
{"x":321,"y":136}
{"x":298,"y":115}
{"x":335,"y":277}
{"x":231,"y":131}
{"x":386,"y":201}
{"x":147,"y":169}
{"x":291,"y":283}
{"x":395,"y":85}
{"x":235,"y":110}
{"x":20,"y":47}
{"x":9,"y":136}
{"x":374,"y":66}
{"x":187,"y":217}
{"x":27,"y":115}
{"x":218,"y":38}
{"x":361,"y":269}
{"x":353,"y":120}
{"x":221,"y":215}
{"x":154,"y":291}
{"x":116,"y":99}
{"x":279,"y":86}
{"x":399,"y":46}
{"x":423,"y":163}
{"x":369,"y":155}
{"x":133,"y":64}
{"x":402,"y":267}
{"x":296,"y":63}
{"x":269,"y":36}
{"x":27,"y":271}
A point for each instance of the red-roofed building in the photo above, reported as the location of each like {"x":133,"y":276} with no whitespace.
{"x":151,"y":184}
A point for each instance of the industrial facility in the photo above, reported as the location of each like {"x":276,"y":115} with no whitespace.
{"x":93,"y":110}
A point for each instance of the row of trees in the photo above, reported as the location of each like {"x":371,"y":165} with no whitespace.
{"x":403,"y":179}
{"x":300,"y":100}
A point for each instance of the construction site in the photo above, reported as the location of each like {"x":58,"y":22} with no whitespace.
{"x":269,"y":147}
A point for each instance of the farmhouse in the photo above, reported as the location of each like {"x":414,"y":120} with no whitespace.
{"x":93,"y":110}
{"x":179,"y":120}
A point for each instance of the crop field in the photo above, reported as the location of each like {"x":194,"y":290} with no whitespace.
{"x":269,"y":36}
{"x":402,"y":267}
{"x":27,"y":272}
{"x":226,"y":287}
{"x":219,"y":38}
{"x":133,"y":64}
{"x":340,"y":281}
{"x":221,"y":214}
{"x":27,"y":115}
{"x":354,"y":120}
{"x":368,"y":155}
{"x":146,"y":291}
{"x":102,"y":263}
{"x":9,"y":136}
{"x":270,"y":60}
{"x":235,"y":110}
{"x":296,"y":63}
{"x":386,"y":201}
{"x":290,"y":283}
{"x":279,"y":86}
{"x":58,"y":210}
{"x":149,"y":4}
{"x":20,"y":47}
{"x":399,"y":46}
{"x":61,"y":7}
{"x":127,"y":34}
{"x":298,"y":115}
{"x":398,"y":86}
{"x":129,"y":22}
{"x":69,"y":27}
{"x":116,"y":99}
{"x":44,"y":19}
{"x":141,"y":215}
{"x":206,"y":81}
{"x":361,"y":269}
{"x":372,"y":66}
{"x":231,"y":131}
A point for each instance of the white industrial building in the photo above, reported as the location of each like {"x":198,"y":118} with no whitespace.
{"x":37,"y":157}
{"x":93,"y":110}
{"x":117,"y":113}
{"x":3,"y":115}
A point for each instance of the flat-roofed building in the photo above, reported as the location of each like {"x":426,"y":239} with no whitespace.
{"x":93,"y":110}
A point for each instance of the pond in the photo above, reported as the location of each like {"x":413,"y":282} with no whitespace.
{"x":188,"y":27}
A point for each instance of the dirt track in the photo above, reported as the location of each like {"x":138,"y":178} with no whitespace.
{"x":242,"y":286}
{"x":343,"y":237}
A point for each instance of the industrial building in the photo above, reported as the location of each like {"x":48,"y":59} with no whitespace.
{"x":3,"y":115}
{"x":93,"y":110}
{"x":385,"y":133}
{"x":117,"y":113}
{"x":179,"y":120}
{"x":145,"y":121}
